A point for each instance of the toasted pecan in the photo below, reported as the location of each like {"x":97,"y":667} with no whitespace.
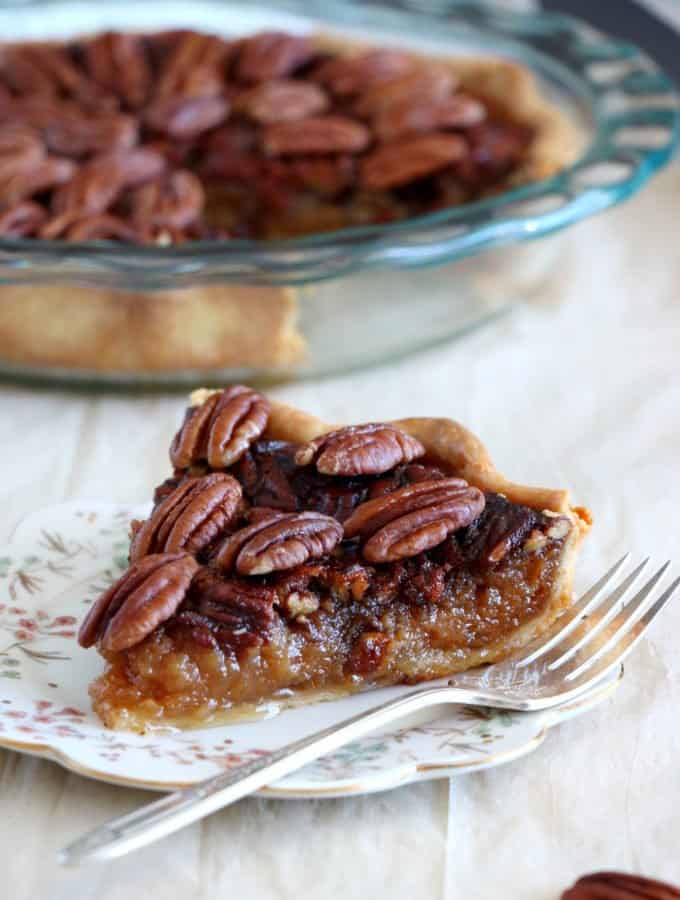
{"x":413,"y":518}
{"x":360,"y":450}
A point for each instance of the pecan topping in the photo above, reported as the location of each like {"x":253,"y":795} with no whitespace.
{"x":145,"y":596}
{"x":407,"y":160}
{"x":360,"y":450}
{"x":272,"y":54}
{"x":22,"y":220}
{"x":349,"y":75}
{"x":321,"y":134}
{"x":190,"y":518}
{"x":118,"y":62}
{"x":192,"y":54}
{"x":282,"y":101}
{"x":49,"y":173}
{"x":101,"y":228}
{"x":426,"y":84}
{"x":171,"y":202}
{"x":620,"y":886}
{"x":279,"y":541}
{"x":80,"y":136}
{"x":221,"y":429}
{"x":186,"y":117}
{"x":459,"y":111}
{"x":413,"y":518}
{"x":243,"y":609}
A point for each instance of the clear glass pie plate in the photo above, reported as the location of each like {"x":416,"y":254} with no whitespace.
{"x":345,"y":298}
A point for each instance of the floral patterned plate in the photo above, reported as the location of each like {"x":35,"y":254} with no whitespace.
{"x":62,"y":557}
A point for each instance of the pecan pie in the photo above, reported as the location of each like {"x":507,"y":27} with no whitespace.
{"x":173,"y":137}
{"x":285,"y":559}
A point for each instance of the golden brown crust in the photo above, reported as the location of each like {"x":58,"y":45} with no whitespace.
{"x":225,"y":326}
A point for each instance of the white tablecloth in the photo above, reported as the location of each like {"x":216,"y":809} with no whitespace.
{"x":582,"y":390}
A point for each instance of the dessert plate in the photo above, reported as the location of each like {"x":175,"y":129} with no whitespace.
{"x":61,"y":558}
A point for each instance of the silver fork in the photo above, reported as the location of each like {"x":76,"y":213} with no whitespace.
{"x":586,"y":643}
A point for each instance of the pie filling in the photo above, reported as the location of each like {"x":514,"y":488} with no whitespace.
{"x":179,"y":136}
{"x":334,"y":623}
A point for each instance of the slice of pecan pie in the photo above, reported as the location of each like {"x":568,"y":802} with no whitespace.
{"x":286,"y":559}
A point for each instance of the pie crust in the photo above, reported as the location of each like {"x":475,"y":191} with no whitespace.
{"x":419,"y":638}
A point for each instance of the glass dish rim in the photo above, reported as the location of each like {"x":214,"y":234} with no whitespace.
{"x":379,"y":244}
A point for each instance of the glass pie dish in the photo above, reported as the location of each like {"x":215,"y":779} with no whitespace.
{"x":109,"y":312}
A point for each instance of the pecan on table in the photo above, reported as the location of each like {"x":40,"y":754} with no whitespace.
{"x":413,"y":518}
{"x":406,"y":160}
{"x":620,"y":886}
{"x":190,"y":518}
{"x":360,"y":450}
{"x":144,"y":597}
{"x":221,"y":429}
{"x":278,"y":541}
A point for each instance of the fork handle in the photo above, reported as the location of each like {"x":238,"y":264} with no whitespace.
{"x":181,"y":808}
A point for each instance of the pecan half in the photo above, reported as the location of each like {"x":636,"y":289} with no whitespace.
{"x":395,"y":164}
{"x":413,"y":518}
{"x":620,"y":886}
{"x":360,"y":450}
{"x":144,"y":597}
{"x":186,"y":117}
{"x":101,"y":228}
{"x":173,"y":202}
{"x":282,"y":101}
{"x":272,"y":54}
{"x":221,"y":429}
{"x":278,"y":541}
{"x":49,"y":173}
{"x":97,"y":184}
{"x":22,"y":220}
{"x":190,"y":518}
{"x":192,"y":53}
{"x":21,"y":149}
{"x":317,"y":134}
{"x":243,"y":609}
{"x":346,"y":75}
{"x":426,"y":84}
{"x":119,"y":63}
{"x":81,"y":135}
{"x":459,"y":111}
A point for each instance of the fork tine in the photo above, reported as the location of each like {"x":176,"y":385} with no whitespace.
{"x":603,"y":625}
{"x":615,"y":650}
{"x":571,"y":618}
